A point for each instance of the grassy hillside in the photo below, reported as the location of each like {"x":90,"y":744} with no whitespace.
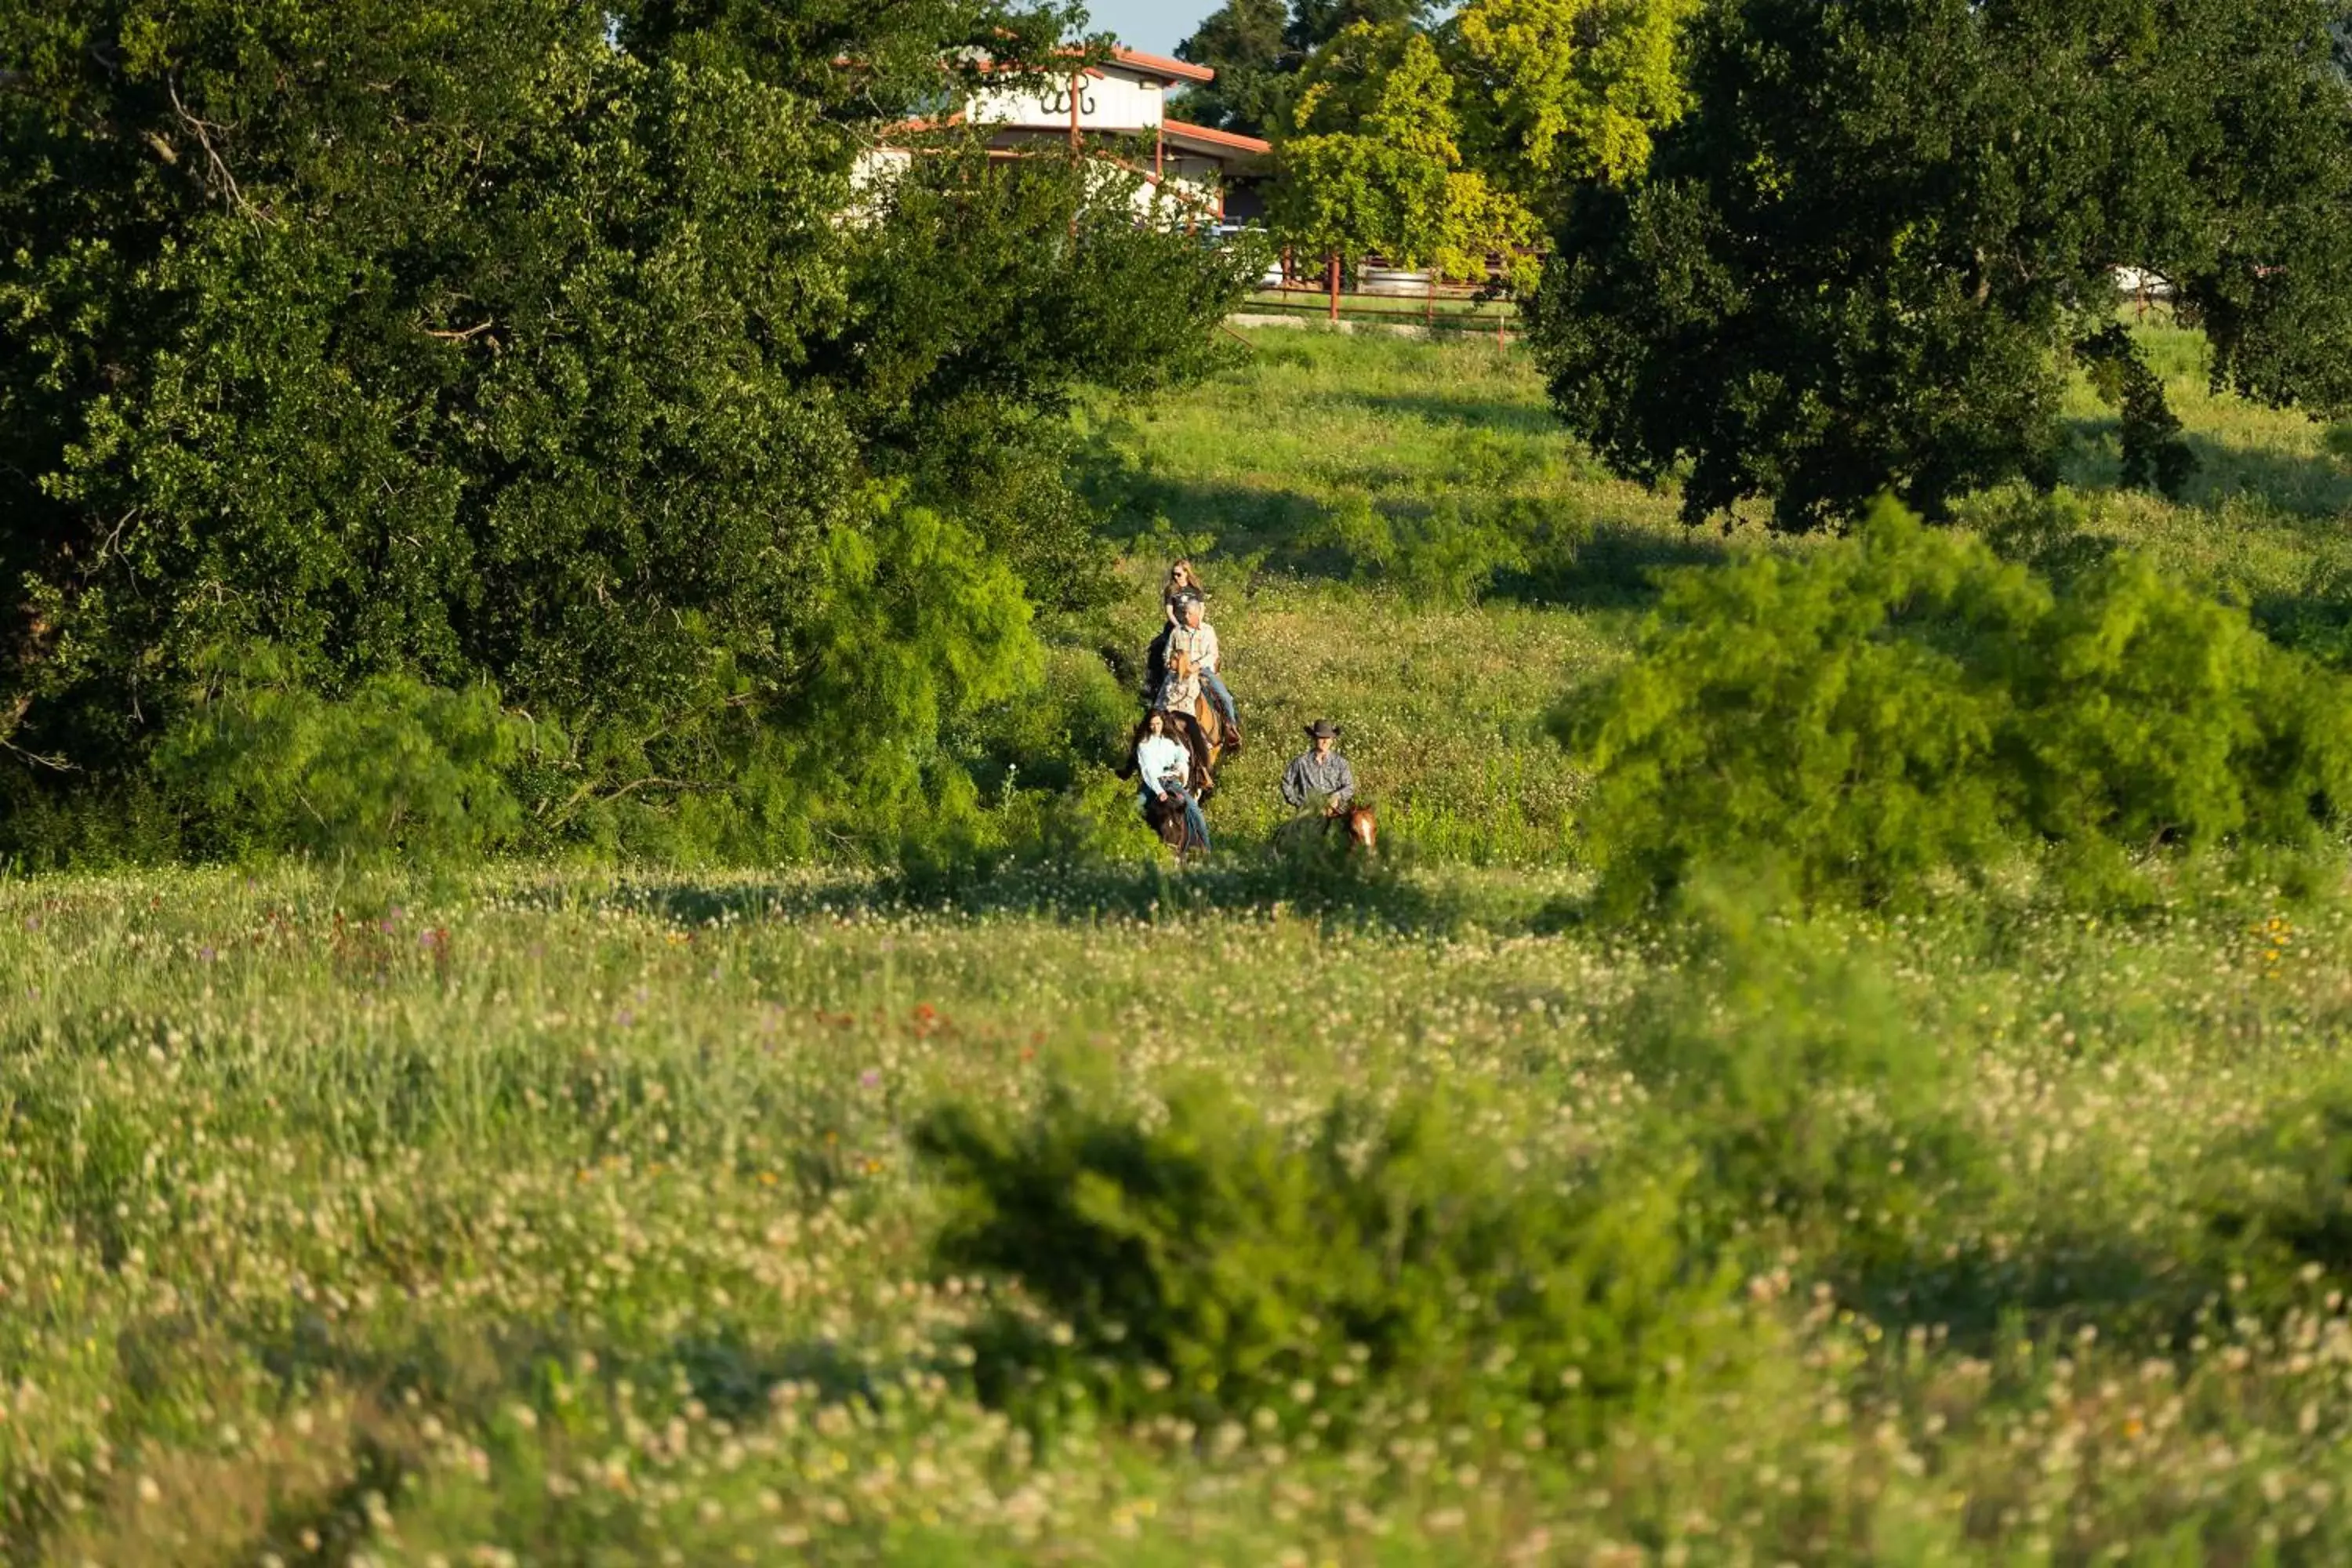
{"x":546,"y":1216}
{"x":1259,"y":474}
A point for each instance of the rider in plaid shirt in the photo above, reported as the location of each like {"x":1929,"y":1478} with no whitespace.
{"x":1193,"y":635}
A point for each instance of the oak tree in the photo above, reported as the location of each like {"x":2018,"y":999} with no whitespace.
{"x":1886,"y":227}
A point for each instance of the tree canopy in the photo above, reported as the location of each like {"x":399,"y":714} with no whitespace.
{"x":1558,"y":93}
{"x":1869,"y":254}
{"x":1373,"y":162}
{"x":1243,"y":42}
{"x":339,"y":352}
{"x":1441,"y":144}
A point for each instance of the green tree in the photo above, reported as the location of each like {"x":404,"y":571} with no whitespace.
{"x":329,"y":334}
{"x":1315,"y":22}
{"x":1870,"y":251}
{"x":1241,"y":41}
{"x":1556,"y":92}
{"x":1374,"y":161}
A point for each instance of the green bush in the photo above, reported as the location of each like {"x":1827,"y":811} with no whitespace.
{"x":393,"y":767}
{"x":2045,"y":531}
{"x":2282,"y":1200}
{"x":1804,"y":1089}
{"x":1208,"y":1267}
{"x":1446,"y":555}
{"x":2337,"y":443}
{"x":1861,"y":716}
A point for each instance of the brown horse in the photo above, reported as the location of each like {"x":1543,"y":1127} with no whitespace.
{"x":1166,"y":817}
{"x":1350,"y":830}
{"x":1208,"y":742}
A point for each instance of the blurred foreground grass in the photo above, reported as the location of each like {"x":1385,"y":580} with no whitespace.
{"x":556,"y":1219}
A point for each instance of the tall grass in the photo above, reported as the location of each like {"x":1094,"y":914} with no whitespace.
{"x":578,"y":1220}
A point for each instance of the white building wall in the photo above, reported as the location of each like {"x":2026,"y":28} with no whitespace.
{"x":1106,"y":102}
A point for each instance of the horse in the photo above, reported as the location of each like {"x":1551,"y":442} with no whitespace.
{"x":1350,"y":830}
{"x":1199,"y":729}
{"x":1166,"y":816}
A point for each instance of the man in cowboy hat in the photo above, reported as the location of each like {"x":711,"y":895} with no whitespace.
{"x":1320,"y":772}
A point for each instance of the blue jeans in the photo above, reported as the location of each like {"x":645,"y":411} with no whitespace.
{"x":1215,"y":686}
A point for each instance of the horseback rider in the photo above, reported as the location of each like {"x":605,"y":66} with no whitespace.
{"x":1181,"y":584}
{"x":1165,"y":770}
{"x":1320,"y":771}
{"x":1194,"y":636}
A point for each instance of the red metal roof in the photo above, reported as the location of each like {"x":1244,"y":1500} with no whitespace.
{"x":1174,"y":70}
{"x":1181,"y":131}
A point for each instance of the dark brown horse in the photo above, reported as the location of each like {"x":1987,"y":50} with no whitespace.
{"x":1362,"y":828}
{"x":1165,"y":813}
{"x":1166,"y":816}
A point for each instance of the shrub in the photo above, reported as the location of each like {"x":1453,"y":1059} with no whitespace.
{"x":1858,"y":717}
{"x":1446,"y":555}
{"x":393,"y":767}
{"x":1207,"y":1266}
{"x":2337,"y":443}
{"x":1803,"y":1088}
{"x":2043,"y":530}
{"x":2283,"y":1200}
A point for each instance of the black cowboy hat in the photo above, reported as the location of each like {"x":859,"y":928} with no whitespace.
{"x":1322,"y":728}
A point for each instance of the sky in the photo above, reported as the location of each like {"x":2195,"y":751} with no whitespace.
{"x":1155,"y":26}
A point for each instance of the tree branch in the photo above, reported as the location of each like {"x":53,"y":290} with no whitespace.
{"x":202,"y":128}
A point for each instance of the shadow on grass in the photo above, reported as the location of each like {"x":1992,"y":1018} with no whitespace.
{"x":1614,"y":567}
{"x":1499,"y":413}
{"x":2317,"y":623}
{"x":1340,"y":893}
{"x":2139,"y":1292}
{"x":1566,"y":561}
{"x":2303,"y":485}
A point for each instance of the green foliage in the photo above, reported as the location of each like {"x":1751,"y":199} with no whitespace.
{"x":982,"y":294}
{"x":1241,"y":41}
{"x":395,"y":768}
{"x":1204,"y":1265}
{"x":2337,"y":443}
{"x":1804,"y":1087}
{"x":1373,"y":162}
{"x":2047,"y":530}
{"x":554,"y":367}
{"x":1315,"y":22}
{"x":1904,"y":703}
{"x":2155,"y":457}
{"x":1557,"y":93}
{"x":1445,"y":554}
{"x":1865,"y":256}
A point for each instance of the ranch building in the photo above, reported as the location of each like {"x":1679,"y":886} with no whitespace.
{"x":1118,"y":111}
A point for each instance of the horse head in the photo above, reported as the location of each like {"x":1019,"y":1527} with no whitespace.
{"x":1167,"y":819}
{"x":1364,"y":829}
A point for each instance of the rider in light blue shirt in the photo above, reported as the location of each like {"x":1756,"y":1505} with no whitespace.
{"x":1165,"y":768}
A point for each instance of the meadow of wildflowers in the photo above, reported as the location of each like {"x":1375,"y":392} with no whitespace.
{"x":550,"y":1217}
{"x":546,"y":1215}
